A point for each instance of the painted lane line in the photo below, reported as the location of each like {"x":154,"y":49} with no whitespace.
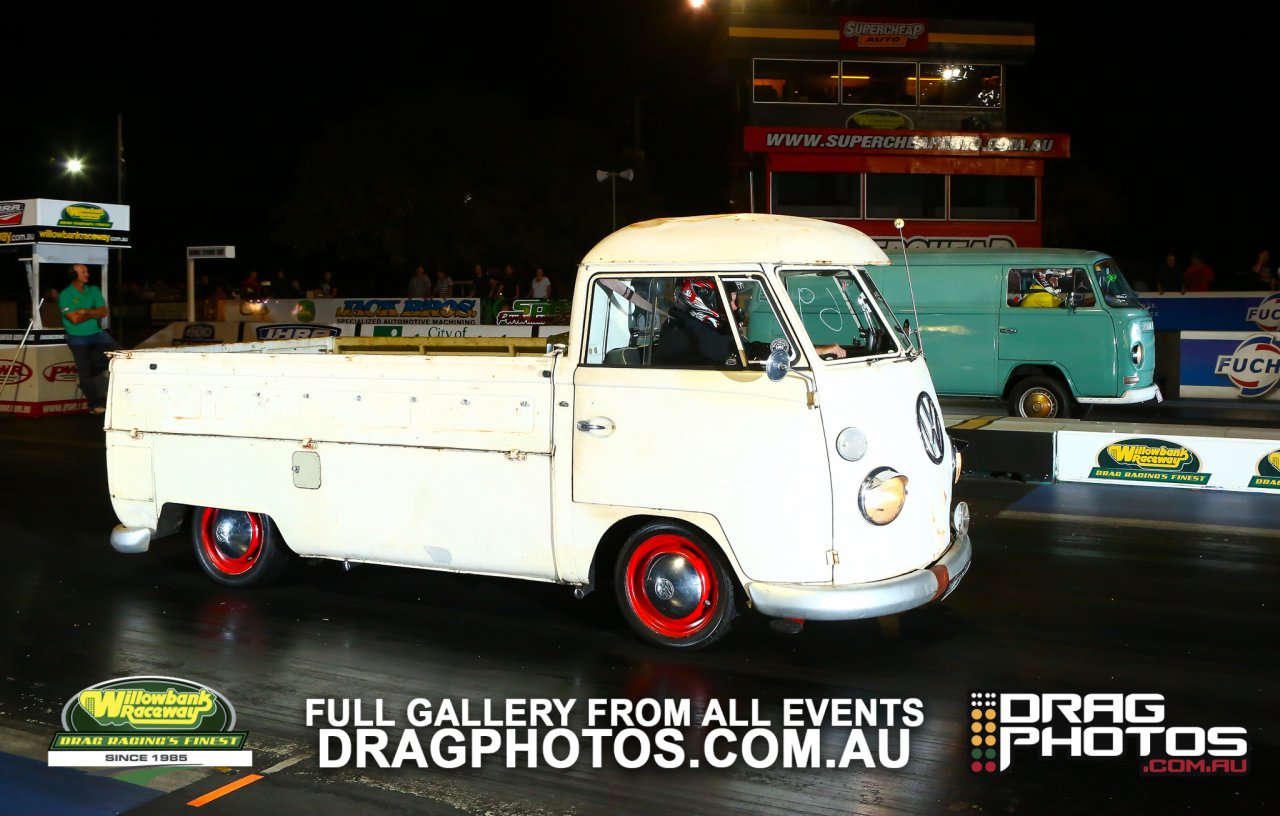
{"x":280,"y":766}
{"x":200,"y":801}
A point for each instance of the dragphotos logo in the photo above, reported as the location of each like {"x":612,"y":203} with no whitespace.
{"x":1098,"y":726}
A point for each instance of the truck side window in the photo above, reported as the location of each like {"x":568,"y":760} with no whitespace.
{"x":697,"y":320}
{"x":837,"y":310}
{"x":623,"y":317}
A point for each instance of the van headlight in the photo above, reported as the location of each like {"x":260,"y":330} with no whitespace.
{"x":883,"y":493}
{"x":957,"y":458}
{"x":960,"y":519}
{"x":1139,"y":354}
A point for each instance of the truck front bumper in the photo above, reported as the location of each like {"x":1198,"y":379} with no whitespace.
{"x":871,"y":600}
{"x":130,"y":539}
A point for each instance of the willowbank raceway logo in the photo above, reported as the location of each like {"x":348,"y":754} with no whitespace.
{"x":1149,"y":460}
{"x":1005,"y":725}
{"x":1267,"y":472}
{"x":84,"y":215}
{"x":148,"y":721}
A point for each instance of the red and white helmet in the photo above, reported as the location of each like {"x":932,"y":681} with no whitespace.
{"x":700,"y":297}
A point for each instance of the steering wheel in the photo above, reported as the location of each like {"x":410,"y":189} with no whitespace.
{"x":873,"y":338}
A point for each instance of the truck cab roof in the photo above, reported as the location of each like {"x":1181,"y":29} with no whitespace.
{"x":737,"y":238}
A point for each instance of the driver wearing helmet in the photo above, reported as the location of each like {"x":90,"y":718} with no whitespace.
{"x":1043,"y":291}
{"x":698,"y":331}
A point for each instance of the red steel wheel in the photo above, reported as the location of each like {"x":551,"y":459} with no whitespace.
{"x":237,"y":547}
{"x":673,"y":587}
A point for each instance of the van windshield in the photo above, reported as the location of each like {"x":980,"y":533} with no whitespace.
{"x":1115,"y":289}
{"x":837,"y":308}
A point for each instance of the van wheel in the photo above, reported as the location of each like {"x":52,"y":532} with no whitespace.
{"x":237,"y":548}
{"x":1039,"y":398}
{"x":673,"y":587}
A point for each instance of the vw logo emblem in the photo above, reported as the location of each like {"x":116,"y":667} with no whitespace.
{"x":930,"y":425}
{"x":664,"y":589}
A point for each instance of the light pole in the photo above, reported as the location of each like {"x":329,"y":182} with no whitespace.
{"x":613,"y":176}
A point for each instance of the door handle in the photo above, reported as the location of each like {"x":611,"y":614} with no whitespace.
{"x":601,"y":426}
{"x":1006,"y":330}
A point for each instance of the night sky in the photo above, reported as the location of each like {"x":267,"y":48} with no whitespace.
{"x":1168,"y":115}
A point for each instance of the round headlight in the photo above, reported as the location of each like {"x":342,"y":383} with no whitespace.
{"x":1139,"y":354}
{"x":883,"y":493}
{"x":960,"y":518}
{"x":851,"y":444}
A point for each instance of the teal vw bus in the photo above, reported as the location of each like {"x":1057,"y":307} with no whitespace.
{"x":1050,"y":331}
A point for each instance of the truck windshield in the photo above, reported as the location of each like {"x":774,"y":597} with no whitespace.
{"x":1115,"y":289}
{"x":838,"y":308}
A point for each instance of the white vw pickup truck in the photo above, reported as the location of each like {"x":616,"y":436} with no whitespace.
{"x":735,"y":419}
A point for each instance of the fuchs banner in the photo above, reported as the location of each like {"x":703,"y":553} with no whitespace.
{"x":1229,"y":365}
{"x":1216,"y":311}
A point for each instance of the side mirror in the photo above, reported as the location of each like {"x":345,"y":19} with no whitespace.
{"x":1075,"y":299}
{"x":778,"y":364}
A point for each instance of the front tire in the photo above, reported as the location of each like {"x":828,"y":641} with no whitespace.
{"x":1040,"y":398}
{"x":674,"y":588}
{"x":237,"y":548}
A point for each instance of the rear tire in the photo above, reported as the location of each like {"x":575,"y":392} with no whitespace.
{"x":237,"y":548}
{"x":1040,"y":398}
{"x":673,"y":587}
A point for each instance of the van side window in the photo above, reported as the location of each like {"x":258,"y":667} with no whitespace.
{"x":680,"y":322}
{"x":1040,"y":287}
{"x":1083,"y":287}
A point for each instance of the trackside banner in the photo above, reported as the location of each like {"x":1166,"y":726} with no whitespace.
{"x":1247,"y":465}
{"x":1229,"y":365}
{"x":763,"y":139}
{"x":52,"y":221}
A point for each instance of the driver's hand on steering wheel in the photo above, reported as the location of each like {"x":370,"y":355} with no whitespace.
{"x":832,"y":352}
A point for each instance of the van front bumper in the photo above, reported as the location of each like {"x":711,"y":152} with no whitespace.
{"x":1151,"y":392}
{"x":871,"y":600}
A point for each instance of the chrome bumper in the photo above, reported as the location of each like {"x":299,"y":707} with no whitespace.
{"x":130,"y":539}
{"x":1151,"y":392}
{"x":872,"y":600}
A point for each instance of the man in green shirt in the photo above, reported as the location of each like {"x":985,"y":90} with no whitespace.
{"x":83,"y":308}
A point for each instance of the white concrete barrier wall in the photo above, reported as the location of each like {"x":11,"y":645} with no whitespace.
{"x":1176,"y":456}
